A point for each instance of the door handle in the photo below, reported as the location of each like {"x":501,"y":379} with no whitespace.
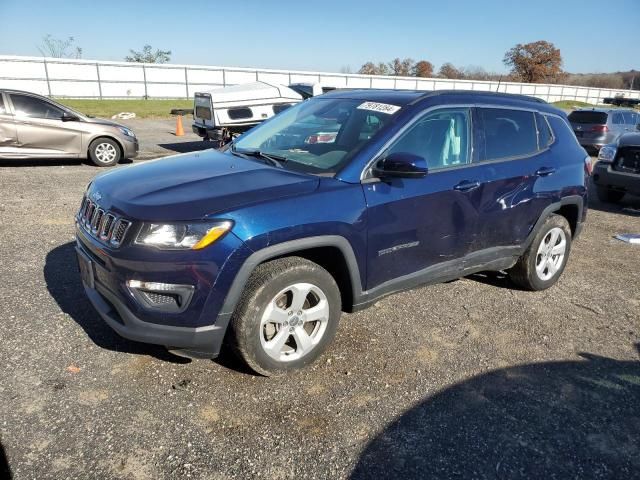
{"x":545,"y":171}
{"x":466,"y":186}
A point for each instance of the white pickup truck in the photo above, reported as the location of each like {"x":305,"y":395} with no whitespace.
{"x":223,"y":113}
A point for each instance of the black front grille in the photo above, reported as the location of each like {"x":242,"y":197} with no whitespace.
{"x":628,"y":160}
{"x":102,"y":224}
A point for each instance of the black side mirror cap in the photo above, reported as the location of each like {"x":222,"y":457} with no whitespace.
{"x":68,"y":117}
{"x":401,"y":165}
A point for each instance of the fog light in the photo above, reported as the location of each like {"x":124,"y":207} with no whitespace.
{"x":167,"y":297}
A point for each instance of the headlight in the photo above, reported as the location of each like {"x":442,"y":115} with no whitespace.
{"x":607,"y":153}
{"x":127,"y":132}
{"x":182,"y":236}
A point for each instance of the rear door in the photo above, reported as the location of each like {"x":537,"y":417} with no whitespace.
{"x":8,"y":135}
{"x":41,"y":131}
{"x":203,"y":110}
{"x":618,"y":123}
{"x":519,"y":170}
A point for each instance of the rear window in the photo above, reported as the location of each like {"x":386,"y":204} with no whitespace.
{"x":588,"y":117}
{"x":203,"y":112}
{"x":508,"y":133}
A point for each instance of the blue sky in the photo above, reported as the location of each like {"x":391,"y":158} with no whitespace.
{"x":328,"y":35}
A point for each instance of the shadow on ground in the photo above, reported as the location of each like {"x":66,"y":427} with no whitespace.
{"x":185,"y":147}
{"x":64,"y":285}
{"x":561,"y":420}
{"x":5,"y":471}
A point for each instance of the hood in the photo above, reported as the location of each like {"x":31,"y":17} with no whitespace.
{"x":194,"y":186}
{"x":104,"y":121}
{"x":629,"y":140}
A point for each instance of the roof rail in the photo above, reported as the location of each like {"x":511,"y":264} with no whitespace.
{"x":436,"y":93}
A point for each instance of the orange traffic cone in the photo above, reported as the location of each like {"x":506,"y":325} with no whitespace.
{"x":179,"y":128}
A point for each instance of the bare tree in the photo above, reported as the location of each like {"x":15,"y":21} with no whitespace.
{"x":447,"y":70}
{"x":371,"y":68}
{"x":147,"y":55}
{"x":58,"y":48}
{"x":401,"y":68}
{"x":346,"y":69}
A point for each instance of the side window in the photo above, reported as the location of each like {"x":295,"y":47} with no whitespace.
{"x":618,"y":119}
{"x":545,"y":136}
{"x":440,"y":137}
{"x":3,"y":110}
{"x":507,"y":133}
{"x":26,"y":106}
{"x":629,"y":118}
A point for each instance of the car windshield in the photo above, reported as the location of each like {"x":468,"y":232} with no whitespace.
{"x":316,"y":136}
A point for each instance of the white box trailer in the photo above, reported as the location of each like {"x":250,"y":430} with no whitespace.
{"x":223,"y":113}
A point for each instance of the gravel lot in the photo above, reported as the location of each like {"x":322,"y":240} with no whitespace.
{"x":470,"y":379}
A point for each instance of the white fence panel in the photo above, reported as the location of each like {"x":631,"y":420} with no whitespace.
{"x":97,"y":79}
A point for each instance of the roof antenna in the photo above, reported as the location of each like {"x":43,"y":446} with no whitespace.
{"x":498,"y":87}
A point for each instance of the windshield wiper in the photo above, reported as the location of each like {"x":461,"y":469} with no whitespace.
{"x":273,"y":159}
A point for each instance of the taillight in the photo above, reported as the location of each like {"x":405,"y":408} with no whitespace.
{"x":588,"y":165}
{"x":600,"y":128}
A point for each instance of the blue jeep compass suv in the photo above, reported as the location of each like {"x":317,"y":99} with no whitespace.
{"x":327,"y":207}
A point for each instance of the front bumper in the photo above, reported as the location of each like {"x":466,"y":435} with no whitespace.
{"x":202,"y":342}
{"x":130,"y":147}
{"x":197,"y":330}
{"x":605,"y":176}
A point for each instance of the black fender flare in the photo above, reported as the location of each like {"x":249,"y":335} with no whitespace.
{"x":284,"y":248}
{"x":576,"y":200}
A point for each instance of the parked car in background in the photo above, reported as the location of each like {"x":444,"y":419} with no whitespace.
{"x":327,"y":207}
{"x":617,"y":171}
{"x":596,"y":127}
{"x":32,"y":126}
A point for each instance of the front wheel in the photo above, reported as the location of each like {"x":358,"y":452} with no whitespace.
{"x":104,"y":152}
{"x":543,"y":262}
{"x":287,"y":315}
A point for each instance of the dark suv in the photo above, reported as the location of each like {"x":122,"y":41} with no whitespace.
{"x":265,"y":244}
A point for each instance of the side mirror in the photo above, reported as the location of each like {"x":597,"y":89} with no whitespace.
{"x":68,"y":117}
{"x":401,"y":165}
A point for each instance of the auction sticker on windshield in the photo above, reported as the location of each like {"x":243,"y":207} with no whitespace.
{"x":379,"y":107}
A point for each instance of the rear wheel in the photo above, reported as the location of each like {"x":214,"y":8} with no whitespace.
{"x":287,"y":316}
{"x":104,"y":152}
{"x":543,"y":262}
{"x":609,"y":196}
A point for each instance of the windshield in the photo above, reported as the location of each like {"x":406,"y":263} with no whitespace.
{"x":319,"y":135}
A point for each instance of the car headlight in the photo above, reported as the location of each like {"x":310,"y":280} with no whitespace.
{"x":607,"y":153}
{"x":182,"y":236}
{"x":127,"y":132}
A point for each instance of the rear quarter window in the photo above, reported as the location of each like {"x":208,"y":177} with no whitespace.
{"x":545,"y":135}
{"x":507,"y":133}
{"x":599,"y":118}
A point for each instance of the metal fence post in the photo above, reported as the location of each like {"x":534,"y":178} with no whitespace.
{"x":144,"y":80}
{"x":224,"y":77}
{"x":186,"y":82}
{"x":46,"y":74}
{"x":99,"y":82}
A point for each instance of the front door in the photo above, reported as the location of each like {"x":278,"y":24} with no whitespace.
{"x":41,"y":130}
{"x":8,"y":135}
{"x":421,"y":227}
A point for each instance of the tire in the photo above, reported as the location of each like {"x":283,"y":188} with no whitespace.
{"x":609,"y":196}
{"x":267,"y":329}
{"x":539,"y":267}
{"x":104,"y":152}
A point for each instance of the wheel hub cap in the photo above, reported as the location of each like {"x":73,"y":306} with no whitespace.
{"x":294,"y":322}
{"x":551,"y":253}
